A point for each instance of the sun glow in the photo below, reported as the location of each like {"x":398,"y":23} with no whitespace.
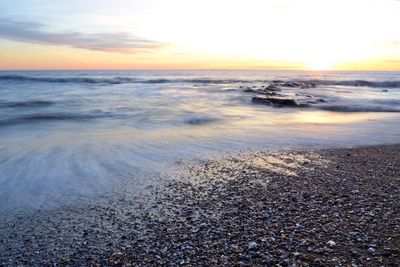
{"x":264,"y":31}
{"x":262,"y":34}
{"x":320,"y":65}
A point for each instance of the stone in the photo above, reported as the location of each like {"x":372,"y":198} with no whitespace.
{"x":252,"y":245}
{"x":278,"y":102}
{"x":371,"y":250}
{"x":331,"y":243}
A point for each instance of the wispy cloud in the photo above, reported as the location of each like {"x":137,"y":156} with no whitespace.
{"x":34,"y":32}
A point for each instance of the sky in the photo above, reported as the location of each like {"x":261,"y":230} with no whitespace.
{"x":200,"y":34}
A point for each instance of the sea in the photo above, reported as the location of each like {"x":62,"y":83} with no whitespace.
{"x":68,"y":136}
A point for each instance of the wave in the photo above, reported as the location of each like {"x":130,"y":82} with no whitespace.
{"x":113,"y":80}
{"x":339,"y":108}
{"x":51,"y":117}
{"x":26,"y":104}
{"x":119,"y":80}
{"x":356,"y":83}
{"x":21,"y":78}
{"x":395,"y":102}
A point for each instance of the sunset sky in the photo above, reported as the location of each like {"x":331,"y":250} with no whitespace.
{"x":200,"y":34}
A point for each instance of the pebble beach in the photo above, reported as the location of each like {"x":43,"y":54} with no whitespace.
{"x":327,"y":207}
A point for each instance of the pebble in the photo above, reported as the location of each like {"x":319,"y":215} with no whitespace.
{"x":371,"y":250}
{"x":252,"y":245}
{"x":331,"y":243}
{"x":230,"y":215}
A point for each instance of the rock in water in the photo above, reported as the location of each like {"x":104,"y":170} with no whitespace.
{"x":279,"y":102}
{"x":272,"y":87}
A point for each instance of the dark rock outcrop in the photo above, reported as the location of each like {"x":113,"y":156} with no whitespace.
{"x":269,"y":90}
{"x":263,"y":91}
{"x":302,"y":85}
{"x":268,"y":94}
{"x":278,"y":102}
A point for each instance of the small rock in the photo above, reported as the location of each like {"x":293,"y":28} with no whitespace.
{"x":371,"y":250}
{"x":355,"y":191}
{"x":252,"y":245}
{"x":317,"y":262}
{"x":264,"y":216}
{"x":331,"y":243}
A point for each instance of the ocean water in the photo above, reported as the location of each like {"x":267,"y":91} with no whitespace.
{"x":74,"y":135}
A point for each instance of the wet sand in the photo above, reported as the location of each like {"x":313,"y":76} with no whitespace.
{"x":328,"y":207}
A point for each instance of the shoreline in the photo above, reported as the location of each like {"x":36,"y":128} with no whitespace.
{"x":320,"y":207}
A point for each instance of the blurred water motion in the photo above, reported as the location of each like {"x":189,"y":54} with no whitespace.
{"x":71,"y":135}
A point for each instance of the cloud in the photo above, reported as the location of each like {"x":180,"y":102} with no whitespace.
{"x":34,"y":32}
